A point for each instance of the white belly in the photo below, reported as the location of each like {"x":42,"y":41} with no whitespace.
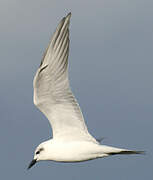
{"x":74,"y":151}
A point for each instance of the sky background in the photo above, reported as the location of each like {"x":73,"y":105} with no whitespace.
{"x":111,"y":75}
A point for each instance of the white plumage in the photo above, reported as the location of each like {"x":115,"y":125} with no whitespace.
{"x":52,"y":95}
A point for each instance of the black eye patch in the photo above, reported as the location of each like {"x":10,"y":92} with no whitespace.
{"x":38,"y":152}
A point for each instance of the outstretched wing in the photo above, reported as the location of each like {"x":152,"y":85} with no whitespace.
{"x":52,"y":94}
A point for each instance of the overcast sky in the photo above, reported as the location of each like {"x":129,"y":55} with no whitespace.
{"x":111,"y":74}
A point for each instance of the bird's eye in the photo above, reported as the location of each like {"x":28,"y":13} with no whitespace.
{"x":37,"y":152}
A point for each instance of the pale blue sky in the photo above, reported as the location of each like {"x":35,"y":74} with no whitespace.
{"x":111,"y":74}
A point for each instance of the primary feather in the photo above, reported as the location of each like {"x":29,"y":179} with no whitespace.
{"x":52,"y":93}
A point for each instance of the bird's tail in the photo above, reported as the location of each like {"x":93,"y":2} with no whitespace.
{"x":108,"y":150}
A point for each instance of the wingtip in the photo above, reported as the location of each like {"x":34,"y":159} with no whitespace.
{"x":69,"y":15}
{"x":142,"y":152}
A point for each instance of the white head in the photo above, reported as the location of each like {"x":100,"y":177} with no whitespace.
{"x":40,"y":153}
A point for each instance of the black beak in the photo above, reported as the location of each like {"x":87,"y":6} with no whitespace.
{"x":32,"y":163}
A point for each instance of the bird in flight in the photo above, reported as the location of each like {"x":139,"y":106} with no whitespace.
{"x":71,"y":140}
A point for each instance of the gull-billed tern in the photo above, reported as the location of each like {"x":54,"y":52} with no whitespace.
{"x":71,"y":140}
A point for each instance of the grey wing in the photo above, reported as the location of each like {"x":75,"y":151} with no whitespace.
{"x":52,"y":94}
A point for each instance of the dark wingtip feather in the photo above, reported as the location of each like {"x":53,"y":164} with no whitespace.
{"x":128,"y":152}
{"x":69,"y":15}
{"x":141,"y":152}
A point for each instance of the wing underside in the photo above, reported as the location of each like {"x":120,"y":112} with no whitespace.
{"x":52,"y":94}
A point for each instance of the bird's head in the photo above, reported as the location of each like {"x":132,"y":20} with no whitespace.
{"x":38,"y":155}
